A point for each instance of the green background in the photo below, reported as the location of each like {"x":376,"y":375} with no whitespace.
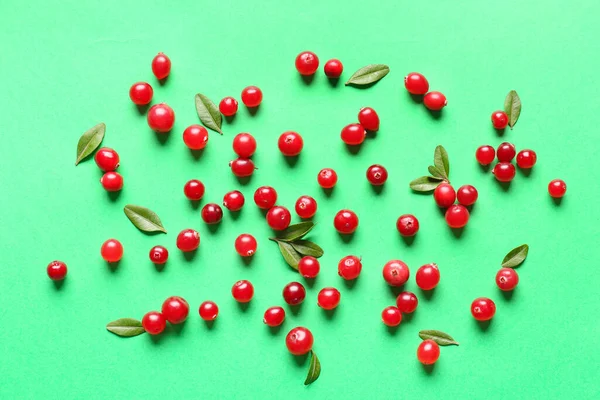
{"x":68,"y":65}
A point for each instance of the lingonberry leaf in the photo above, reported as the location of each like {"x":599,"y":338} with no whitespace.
{"x":314,"y":370}
{"x":441,"y":338}
{"x":144,"y":219}
{"x":89,"y":141}
{"x":290,"y":255}
{"x":425,"y":184}
{"x":368,"y":75}
{"x":307,"y":248}
{"x":125,"y":327}
{"x":436,"y":174}
{"x":512,"y":107}
{"x":295,"y":232}
{"x":515,"y":257}
{"x":209,"y":113}
{"x":441,"y":162}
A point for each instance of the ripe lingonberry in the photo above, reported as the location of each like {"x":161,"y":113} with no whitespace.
{"x":242,"y":291}
{"x":416,"y":83}
{"x":391,"y":316}
{"x":467,"y":195}
{"x":499,"y":119}
{"x":175,"y":309}
{"x":349,"y":267}
{"x":228,"y":106}
{"x":369,"y":119}
{"x":242,"y":167}
{"x":193,"y":189}
{"x":377,"y":175}
{"x":111,"y":250}
{"x":395,"y":272}
{"x":333,"y":68}
{"x":345,"y":221}
{"x":507,"y":279}
{"x":195,"y":137}
{"x":57,"y":270}
{"x":407,"y":225}
{"x":252,"y":96}
{"x":309,"y":267}
{"x":504,"y":171}
{"x":306,"y":207}
{"x":327,"y":178}
{"x":328,"y":298}
{"x":112,"y":181}
{"x":188,"y":240}
{"x":244,"y":145}
{"x":526,"y":159}
{"x":444,"y":195}
{"x":245,"y":245}
{"x":208,"y":310}
{"x":457,"y":216}
{"x":274,"y":316}
{"x":159,"y":255}
{"x":161,"y":118}
{"x":265,"y":197}
{"x":428,"y":276}
{"x":294,"y":293}
{"x":307,"y":63}
{"x":483,"y":309}
{"x":290,"y":143}
{"x":485,"y":155}
{"x":353,"y":134}
{"x":407,"y":302}
{"x":557,"y":188}
{"x":279,"y":218}
{"x":107,"y":159}
{"x":141,"y":93}
{"x":212,"y":213}
{"x":506,"y":152}
{"x":154,"y":322}
{"x":428,"y":352}
{"x":435,"y":101}
{"x":161,"y":66}
{"x":299,"y":341}
{"x":234,"y":200}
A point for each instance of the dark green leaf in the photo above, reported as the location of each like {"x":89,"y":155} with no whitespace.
{"x":126,"y":327}
{"x":144,"y":219}
{"x":314,"y":370}
{"x":441,"y":338}
{"x":425,"y":184}
{"x":369,"y":74}
{"x":515,"y":257}
{"x":294,"y":232}
{"x":512,"y":107}
{"x":307,"y":248}
{"x":441,"y":162}
{"x":209,"y":113}
{"x":290,"y":255}
{"x":436,"y":174}
{"x":89,"y":141}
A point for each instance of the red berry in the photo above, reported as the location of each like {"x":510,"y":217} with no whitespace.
{"x":175,"y":309}
{"x":290,"y":144}
{"x":328,"y":298}
{"x":407,"y":225}
{"x":506,"y":152}
{"x":333,"y":68}
{"x":274,"y":316}
{"x":57,"y":270}
{"x":307,"y":63}
{"x":526,"y":159}
{"x":306,"y":207}
{"x":208,"y":310}
{"x":309,"y":267}
{"x":245,"y":245}
{"x":483,"y":309}
{"x":485,"y":155}
{"x":327,"y":178}
{"x":141,"y":93}
{"x":228,"y":106}
{"x":395,"y":272}
{"x":557,"y":188}
{"x":504,"y":172}
{"x":195,"y":137}
{"x":349,"y":267}
{"x":407,"y":302}
{"x":279,"y":218}
{"x":391,"y":316}
{"x":507,"y":279}
{"x":107,"y":159}
{"x":377,"y":175}
{"x":212,"y":213}
{"x":112,"y":181}
{"x":369,"y":119}
{"x":234,"y":200}
{"x":444,"y":195}
{"x":159,"y":255}
{"x":242,"y":167}
{"x":499,"y":119}
{"x":111,"y":250}
{"x":294,"y":293}
{"x":457,"y":216}
{"x":353,"y":134}
{"x":161,"y":118}
{"x":244,"y":145}
{"x":161,"y":66}
{"x":428,"y":352}
{"x":193,"y":189}
{"x":467,"y":195}
{"x":435,"y":101}
{"x":299,"y":341}
{"x":252,"y":96}
{"x":428,"y":276}
{"x":345,"y":221}
{"x":242,"y":291}
{"x":188,"y":240}
{"x":416,"y":83}
{"x":265,"y":197}
{"x":154,"y":322}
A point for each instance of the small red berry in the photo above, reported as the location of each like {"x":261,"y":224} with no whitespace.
{"x":141,"y":93}
{"x":396,"y":272}
{"x":107,"y":159}
{"x":111,"y":250}
{"x":391,"y":316}
{"x":193,"y":189}
{"x":154,"y":322}
{"x":506,"y":152}
{"x":345,"y":221}
{"x":244,"y":145}
{"x":435,"y":101}
{"x":328,"y":298}
{"x":228,"y":106}
{"x":290,"y":144}
{"x":242,"y":291}
{"x":499,"y":119}
{"x":428,"y":352}
{"x":265,"y":197}
{"x":557,"y":188}
{"x":327,"y":178}
{"x":307,"y":63}
{"x":416,"y":83}
{"x":483,"y":309}
{"x":504,"y":172}
{"x":161,"y":118}
{"x":507,"y":279}
{"x":294,"y":293}
{"x":245,"y":245}
{"x":252,"y":96}
{"x":234,"y":200}
{"x":485,"y":155}
{"x":175,"y":309}
{"x":407,"y":302}
{"x":57,"y":270}
{"x":466,"y":195}
{"x":195,"y":137}
{"x":349,"y":267}
{"x":208,"y":310}
{"x":161,"y":66}
{"x":369,"y":119}
{"x":188,"y":240}
{"x":279,"y":218}
{"x":333,"y":68}
{"x":377,"y":175}
{"x":112,"y":181}
{"x":159,"y":255}
{"x":353,"y":134}
{"x":526,"y":159}
{"x":457,"y":216}
{"x":444,"y":195}
{"x":428,"y":276}
{"x":242,"y":167}
{"x":299,"y":341}
{"x":306,"y":207}
{"x":274,"y":316}
{"x":212,"y":213}
{"x":309,"y":267}
{"x":407,"y":225}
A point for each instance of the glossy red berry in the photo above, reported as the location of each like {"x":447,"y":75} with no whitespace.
{"x":485,"y":155}
{"x":396,"y":272}
{"x":369,"y":119}
{"x":467,"y":195}
{"x":112,"y":181}
{"x":416,"y":83}
{"x":252,"y":96}
{"x":299,"y":341}
{"x":407,"y":225}
{"x":507,"y":279}
{"x":161,"y":66}
{"x":107,"y":159}
{"x":274,"y":316}
{"x":290,"y":144}
{"x":349,"y":267}
{"x":161,"y":118}
{"x":428,"y":276}
{"x":245,"y":245}
{"x":141,"y":93}
{"x":188,"y":240}
{"x":428,"y":352}
{"x":306,"y":207}
{"x":279,"y":218}
{"x":377,"y":175}
{"x":353,"y":134}
{"x":208,"y":310}
{"x":242,"y":291}
{"x":345,"y":221}
{"x":294,"y":293}
{"x":228,"y":106}
{"x":159,"y":255}
{"x":175,"y":309}
{"x":309,"y":267}
{"x":506,"y":152}
{"x":307,"y":63}
{"x":57,"y":270}
{"x":328,"y":298}
{"x":444,"y":195}
{"x":327,"y":178}
{"x":333,"y":68}
{"x":265,"y":197}
{"x":244,"y":145}
{"x":457,"y":216}
{"x":526,"y":159}
{"x":193,"y":189}
{"x":435,"y":101}
{"x":391,"y":316}
{"x":407,"y":302}
{"x":195,"y":137}
{"x":242,"y":167}
{"x":499,"y":119}
{"x":111,"y":250}
{"x":504,"y":171}
{"x":557,"y":188}
{"x":483,"y":309}
{"x":154,"y":322}
{"x":234,"y":200}
{"x":212,"y":213}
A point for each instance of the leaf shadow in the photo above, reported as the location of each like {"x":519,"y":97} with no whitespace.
{"x":365,"y":86}
{"x":162,"y":138}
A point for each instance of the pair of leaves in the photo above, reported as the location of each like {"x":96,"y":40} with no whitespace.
{"x":209,"y":113}
{"x":144,"y":219}
{"x":126,"y":327}
{"x":368,"y":75}
{"x":89,"y":141}
{"x":440,"y":172}
{"x":512,"y":107}
{"x":441,"y":338}
{"x":314,"y":370}
{"x":293,"y":247}
{"x":515,"y":257}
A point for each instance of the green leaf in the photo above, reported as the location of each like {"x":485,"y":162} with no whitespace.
{"x":89,"y":141}
{"x":307,"y":248}
{"x":441,"y":162}
{"x":294,"y":232}
{"x":369,"y":74}
{"x":425,"y":184}
{"x":512,"y":107}
{"x":144,"y":219}
{"x":125,"y":327}
{"x":209,"y":113}
{"x":437,"y":175}
{"x":314,"y":370}
{"x":441,"y":338}
{"x":515,"y":257}
{"x":290,"y":255}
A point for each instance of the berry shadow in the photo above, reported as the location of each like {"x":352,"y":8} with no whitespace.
{"x":353,"y":149}
{"x":159,"y":267}
{"x":58,"y":285}
{"x":157,"y":339}
{"x":210,"y":324}
{"x":407,"y":317}
{"x":508,"y":295}
{"x":196,"y":154}
{"x":114,"y":196}
{"x":408,"y":240}
{"x":392,"y":330}
{"x":457,"y":232}
{"x":416,"y":98}
{"x":113,"y":266}
{"x":328,"y":192}
{"x":291,"y":161}
{"x":176,"y":328}
{"x":213,"y":228}
{"x":484,"y":325}
{"x":395,"y":290}
{"x":235,"y":215}
{"x":334,"y":82}
{"x":377,"y":189}
{"x":274,"y":330}
{"x":435,"y":114}
{"x":350,"y":284}
{"x":427,"y":294}
{"x":195,"y":204}
{"x":346,"y":238}
{"x":142,"y":108}
{"x":253,"y":110}
{"x":164,"y":80}
{"x":230,"y":118}
{"x":310,"y":282}
{"x":329,"y":314}
{"x":557,"y":201}
{"x":307,"y":79}
{"x":189,"y":255}
{"x":499,"y":132}
{"x":247,"y":261}
{"x":243,"y":306}
{"x":162,"y":138}
{"x":505,"y":186}
{"x":244,"y":180}
{"x":300,"y":360}
{"x":526,"y":171}
{"x":485,"y":168}
{"x":428,"y":369}
{"x":295,"y":309}
{"x":371,"y":134}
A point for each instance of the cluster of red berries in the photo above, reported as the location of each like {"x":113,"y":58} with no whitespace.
{"x":307,"y":64}
{"x":457,"y":215}
{"x":251,"y":97}
{"x":354,"y":134}
{"x":107,"y":160}
{"x":417,"y":84}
